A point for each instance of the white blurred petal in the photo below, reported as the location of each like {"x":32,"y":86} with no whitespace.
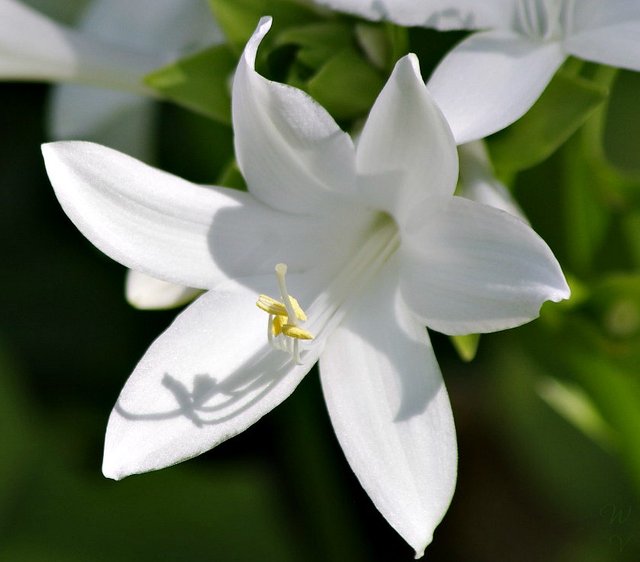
{"x":192,"y":235}
{"x":289,"y":149}
{"x":390,"y":411}
{"x":406,"y":151}
{"x":469,"y":268}
{"x":169,"y":26}
{"x":491,"y":79}
{"x":148,"y":293}
{"x":607,"y":32}
{"x":437,"y":14}
{"x":208,"y":377}
{"x":116,"y":119}
{"x":34,"y":47}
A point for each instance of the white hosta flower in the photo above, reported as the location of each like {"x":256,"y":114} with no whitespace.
{"x":104,"y":59}
{"x":376,"y":247}
{"x":494,"y":76}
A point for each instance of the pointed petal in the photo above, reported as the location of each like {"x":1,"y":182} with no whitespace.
{"x":390,"y":411}
{"x":478,"y":183}
{"x":438,"y":14}
{"x":211,"y":375}
{"x":34,"y":47}
{"x":116,"y":119}
{"x":405,"y":152}
{"x":291,"y":152}
{"x":148,"y":293}
{"x":491,"y":79}
{"x":179,"y":232}
{"x":606,"y":32}
{"x":469,"y":268}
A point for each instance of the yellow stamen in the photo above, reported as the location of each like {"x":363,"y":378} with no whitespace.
{"x":283,"y":317}
{"x":272,"y":306}
{"x":296,"y":332}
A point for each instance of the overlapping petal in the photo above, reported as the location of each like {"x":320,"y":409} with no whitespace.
{"x":406,"y":151}
{"x":469,"y":268}
{"x":292,"y":154}
{"x":491,"y":79}
{"x":208,"y":377}
{"x":478,"y":183}
{"x":390,"y":410}
{"x":438,"y":14}
{"x":148,"y":293}
{"x":171,"y":229}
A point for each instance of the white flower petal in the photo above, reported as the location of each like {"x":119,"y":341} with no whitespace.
{"x":478,"y":183}
{"x":406,"y":151}
{"x":606,"y":31}
{"x":491,"y":79}
{"x":390,"y":411}
{"x":183,"y":233}
{"x":291,"y":152}
{"x":437,"y":14}
{"x":149,"y":293}
{"x":469,"y":268}
{"x":34,"y":47}
{"x":211,"y":375}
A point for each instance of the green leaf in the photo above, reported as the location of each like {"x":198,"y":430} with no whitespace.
{"x":239,"y":18}
{"x":346,"y":85}
{"x":621,"y":135}
{"x":466,"y":346}
{"x":563,"y":107}
{"x":587,"y":216}
{"x":318,"y":42}
{"x":573,"y":404}
{"x":199,"y":82}
{"x":18,"y":443}
{"x":616,"y":393}
{"x":232,"y":177}
{"x":562,"y":464}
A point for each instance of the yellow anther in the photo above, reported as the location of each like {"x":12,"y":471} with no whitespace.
{"x":277,"y":324}
{"x":272,"y":306}
{"x":283,"y":318}
{"x":296,"y":332}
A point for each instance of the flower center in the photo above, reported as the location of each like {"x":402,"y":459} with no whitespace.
{"x":544,"y":19}
{"x":283,"y":331}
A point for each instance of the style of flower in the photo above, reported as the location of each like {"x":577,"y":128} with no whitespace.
{"x":494,"y":76}
{"x":102,"y":62}
{"x":376,"y":247}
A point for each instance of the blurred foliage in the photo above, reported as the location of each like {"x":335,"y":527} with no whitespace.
{"x":548,"y":415}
